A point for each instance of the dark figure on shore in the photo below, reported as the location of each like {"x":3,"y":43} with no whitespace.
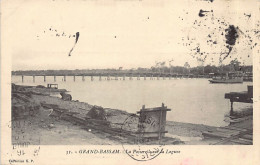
{"x":65,"y":97}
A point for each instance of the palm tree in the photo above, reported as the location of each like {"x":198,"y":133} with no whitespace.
{"x":187,"y":66}
{"x":234,"y":64}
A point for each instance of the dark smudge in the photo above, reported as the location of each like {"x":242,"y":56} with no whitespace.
{"x":231,"y":35}
{"x":247,"y":15}
{"x":202,"y":13}
{"x":77,"y":38}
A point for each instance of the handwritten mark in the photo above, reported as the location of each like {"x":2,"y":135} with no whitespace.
{"x":76,"y":40}
{"x":202,"y":13}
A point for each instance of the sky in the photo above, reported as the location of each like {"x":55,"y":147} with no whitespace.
{"x":123,"y":33}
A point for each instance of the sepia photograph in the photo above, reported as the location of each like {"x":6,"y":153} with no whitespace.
{"x":188,"y":84}
{"x":126,"y":73}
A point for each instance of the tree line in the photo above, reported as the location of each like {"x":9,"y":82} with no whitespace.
{"x":185,"y":69}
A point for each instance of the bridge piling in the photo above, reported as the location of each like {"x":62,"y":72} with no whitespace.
{"x":33,"y":79}
{"x":54,"y":77}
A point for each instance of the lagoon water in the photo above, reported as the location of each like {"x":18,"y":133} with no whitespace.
{"x":190,"y":100}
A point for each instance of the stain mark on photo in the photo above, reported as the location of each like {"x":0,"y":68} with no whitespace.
{"x":76,"y":40}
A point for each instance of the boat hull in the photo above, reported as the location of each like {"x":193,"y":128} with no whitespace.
{"x":229,"y":81}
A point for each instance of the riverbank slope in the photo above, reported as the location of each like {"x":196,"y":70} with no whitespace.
{"x":41,"y":126}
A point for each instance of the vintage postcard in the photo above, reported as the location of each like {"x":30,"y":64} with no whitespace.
{"x":130,"y":81}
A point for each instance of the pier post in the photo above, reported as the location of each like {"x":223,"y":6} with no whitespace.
{"x":100,"y":78}
{"x":108,"y":77}
{"x":116,"y":78}
{"x":92,"y":78}
{"x":151,"y":78}
{"x":65,"y":78}
{"x":231,"y":108}
{"x":74,"y":78}
{"x":22,"y":78}
{"x":158,"y":78}
{"x":160,"y":124}
{"x":44,"y":78}
{"x":145,"y":77}
{"x":33,"y":79}
{"x":138,"y":78}
{"x":123,"y":77}
{"x":54,"y":77}
{"x":83,"y":78}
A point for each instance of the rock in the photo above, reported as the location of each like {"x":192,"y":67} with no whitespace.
{"x":51,"y":125}
{"x":40,"y":86}
{"x":65,"y":97}
{"x":97,"y":112}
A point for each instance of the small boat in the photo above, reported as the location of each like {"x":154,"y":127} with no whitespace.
{"x":228,"y":81}
{"x":230,"y":78}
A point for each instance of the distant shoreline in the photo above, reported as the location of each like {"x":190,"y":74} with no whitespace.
{"x":159,"y":70}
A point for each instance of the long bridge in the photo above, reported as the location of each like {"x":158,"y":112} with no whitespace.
{"x":143,"y":76}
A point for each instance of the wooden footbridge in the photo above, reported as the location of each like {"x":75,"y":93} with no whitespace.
{"x":240,"y":129}
{"x":99,"y":77}
{"x":242,"y":97}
